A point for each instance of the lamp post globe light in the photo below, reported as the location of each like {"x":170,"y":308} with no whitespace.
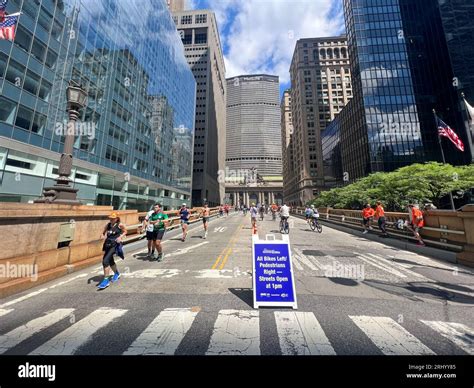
{"x":62,"y":192}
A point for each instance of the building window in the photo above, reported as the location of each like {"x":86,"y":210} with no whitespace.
{"x":201,"y":19}
{"x":188,"y":19}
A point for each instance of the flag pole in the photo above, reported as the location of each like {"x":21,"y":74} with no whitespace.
{"x":444,"y":159}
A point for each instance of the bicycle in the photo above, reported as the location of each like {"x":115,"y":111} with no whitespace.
{"x":315,"y":225}
{"x":284,"y":226}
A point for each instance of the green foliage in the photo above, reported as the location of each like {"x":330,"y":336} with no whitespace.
{"x":415,"y":183}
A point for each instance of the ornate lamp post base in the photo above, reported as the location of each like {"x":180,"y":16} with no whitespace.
{"x":60,"y":194}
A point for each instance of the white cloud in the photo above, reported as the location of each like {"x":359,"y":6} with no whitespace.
{"x":261,"y":37}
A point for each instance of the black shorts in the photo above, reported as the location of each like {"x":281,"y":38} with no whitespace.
{"x":367,"y":220}
{"x":205,"y":219}
{"x":155,"y":235}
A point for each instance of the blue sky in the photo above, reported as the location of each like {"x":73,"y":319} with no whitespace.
{"x":259,"y":36}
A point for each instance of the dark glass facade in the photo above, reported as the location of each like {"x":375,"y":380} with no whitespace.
{"x":135,"y":139}
{"x":400,"y":72}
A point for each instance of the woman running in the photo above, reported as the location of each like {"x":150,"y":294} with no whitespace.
{"x":113,"y":234}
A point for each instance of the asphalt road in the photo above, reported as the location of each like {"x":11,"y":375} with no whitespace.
{"x":355,"y":297}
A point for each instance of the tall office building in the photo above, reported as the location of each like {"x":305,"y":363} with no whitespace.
{"x":287,"y":141}
{"x":401,"y":71}
{"x":253,"y":139}
{"x":134,"y":138}
{"x":321,"y":86}
{"x":203,"y":51}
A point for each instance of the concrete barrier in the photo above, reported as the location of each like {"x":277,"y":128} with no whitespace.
{"x":32,"y":251}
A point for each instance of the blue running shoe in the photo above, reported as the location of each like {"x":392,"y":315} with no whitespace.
{"x":116,"y":277}
{"x":104,"y":284}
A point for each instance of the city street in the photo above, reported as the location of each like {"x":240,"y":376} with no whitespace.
{"x":355,"y":297}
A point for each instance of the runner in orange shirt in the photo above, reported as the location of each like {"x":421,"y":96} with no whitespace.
{"x":380,"y":216}
{"x":417,"y":222}
{"x":367,"y":216}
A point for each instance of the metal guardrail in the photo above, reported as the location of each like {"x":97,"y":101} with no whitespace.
{"x":405,"y":234}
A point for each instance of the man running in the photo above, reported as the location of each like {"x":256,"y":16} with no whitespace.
{"x":113,"y":234}
{"x":158,"y":220}
{"x":380,"y":216}
{"x":205,"y":214}
{"x":184,"y":219}
{"x":221,"y":211}
{"x":417,"y":222}
{"x":253,"y":215}
{"x":262,"y":211}
{"x":367,"y":216}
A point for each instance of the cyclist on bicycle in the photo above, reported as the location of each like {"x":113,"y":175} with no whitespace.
{"x":315,"y":213}
{"x":308,"y":213}
{"x":284,"y":212}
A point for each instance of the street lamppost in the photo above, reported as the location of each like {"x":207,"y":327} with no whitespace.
{"x":62,"y":192}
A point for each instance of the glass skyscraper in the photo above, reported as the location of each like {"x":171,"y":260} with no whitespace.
{"x":135,"y":136}
{"x":400,"y":73}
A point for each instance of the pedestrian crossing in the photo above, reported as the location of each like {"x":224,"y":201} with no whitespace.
{"x":234,"y":332}
{"x":356,"y":265}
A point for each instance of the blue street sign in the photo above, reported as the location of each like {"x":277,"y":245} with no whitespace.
{"x":273,"y":280}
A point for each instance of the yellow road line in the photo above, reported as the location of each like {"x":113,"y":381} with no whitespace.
{"x":228,"y":247}
{"x":229,"y":251}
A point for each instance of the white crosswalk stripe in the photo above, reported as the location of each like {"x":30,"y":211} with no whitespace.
{"x":301,"y":334}
{"x":236,"y":332}
{"x":389,"y":336}
{"x":395,"y":265}
{"x":5,"y":311}
{"x":302,"y":258}
{"x":18,"y":335}
{"x":380,"y":265}
{"x":69,"y":340}
{"x":459,"y":334}
{"x":164,"y":334}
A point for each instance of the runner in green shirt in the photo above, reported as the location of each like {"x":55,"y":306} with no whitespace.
{"x":156,"y":223}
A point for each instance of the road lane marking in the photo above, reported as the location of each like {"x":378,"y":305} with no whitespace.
{"x":216,"y":263}
{"x":296,"y":262}
{"x":152,"y":273}
{"x":22,"y":298}
{"x":236,"y":332}
{"x":18,"y":335}
{"x":228,"y":248}
{"x":390,"y":337}
{"x":392,"y":264}
{"x":300,"y":333}
{"x":5,"y":312}
{"x":183,"y":251}
{"x":215,"y":274}
{"x":372,"y":262}
{"x":459,"y":334}
{"x":68,"y":281}
{"x":302,"y":257}
{"x":165,"y":333}
{"x":68,"y":341}
{"x":229,"y":251}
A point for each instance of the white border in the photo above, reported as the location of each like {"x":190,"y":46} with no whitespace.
{"x":285,"y":241}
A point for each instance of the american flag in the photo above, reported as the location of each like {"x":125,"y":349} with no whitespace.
{"x":7,"y":27}
{"x":3,"y":4}
{"x":446,"y":131}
